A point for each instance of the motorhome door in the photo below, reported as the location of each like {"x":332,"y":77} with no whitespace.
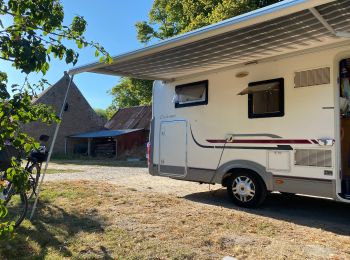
{"x":173,"y":148}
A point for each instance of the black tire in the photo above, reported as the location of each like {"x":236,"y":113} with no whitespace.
{"x":34,"y":177}
{"x":17,"y":206}
{"x":246,"y":189}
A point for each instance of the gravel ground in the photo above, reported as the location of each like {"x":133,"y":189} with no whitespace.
{"x":132,"y":177}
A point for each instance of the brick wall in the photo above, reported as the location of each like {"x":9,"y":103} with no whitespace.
{"x":79,"y":117}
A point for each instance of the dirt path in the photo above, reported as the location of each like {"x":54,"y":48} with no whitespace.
{"x":132,"y":177}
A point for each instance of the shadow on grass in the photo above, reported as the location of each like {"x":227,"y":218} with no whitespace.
{"x":50,"y":234}
{"x":101,"y":162}
{"x":307,"y":211}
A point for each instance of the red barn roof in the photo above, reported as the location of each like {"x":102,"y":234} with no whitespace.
{"x":138,"y":117}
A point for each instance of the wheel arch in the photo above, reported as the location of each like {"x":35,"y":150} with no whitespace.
{"x":231,"y":167}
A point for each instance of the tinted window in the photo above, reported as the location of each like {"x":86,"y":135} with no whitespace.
{"x":192,"y":94}
{"x":266,"y":98}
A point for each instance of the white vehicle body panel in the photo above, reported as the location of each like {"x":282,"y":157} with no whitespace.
{"x":310,"y":114}
{"x":173,"y":147}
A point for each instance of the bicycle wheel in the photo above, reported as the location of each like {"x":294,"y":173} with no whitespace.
{"x":16,"y":204}
{"x":34,"y":175}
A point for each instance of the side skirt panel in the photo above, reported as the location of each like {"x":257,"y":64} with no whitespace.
{"x":193,"y":174}
{"x":315,"y":187}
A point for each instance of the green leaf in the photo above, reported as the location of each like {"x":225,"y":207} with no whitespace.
{"x":27,"y":147}
{"x":79,"y":44}
{"x":49,"y":49}
{"x":3,"y":211}
{"x":109,"y":59}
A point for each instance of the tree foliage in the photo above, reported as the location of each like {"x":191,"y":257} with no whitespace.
{"x":131,"y":92}
{"x":35,"y":36}
{"x":37,"y":32}
{"x":168,"y":18}
{"x":102,"y":113}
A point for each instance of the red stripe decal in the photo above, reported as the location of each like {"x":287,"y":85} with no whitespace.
{"x":261,"y":141}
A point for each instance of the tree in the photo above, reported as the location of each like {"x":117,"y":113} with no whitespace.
{"x":168,"y":18}
{"x":132,"y":92}
{"x":102,"y":113}
{"x":35,"y":36}
{"x":110,"y":111}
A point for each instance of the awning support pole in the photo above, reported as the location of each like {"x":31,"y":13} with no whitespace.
{"x":51,"y":148}
{"x":66,"y":146}
{"x":89,"y":147}
{"x":116,"y":148}
{"x":322,"y":20}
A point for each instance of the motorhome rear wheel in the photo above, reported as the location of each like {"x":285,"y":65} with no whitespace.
{"x":246,"y":189}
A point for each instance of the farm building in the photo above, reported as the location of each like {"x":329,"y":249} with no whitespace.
{"x":78,"y":117}
{"x":125,"y":135}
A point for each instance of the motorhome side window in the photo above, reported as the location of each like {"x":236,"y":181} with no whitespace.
{"x":266,"y":98}
{"x":191,"y":94}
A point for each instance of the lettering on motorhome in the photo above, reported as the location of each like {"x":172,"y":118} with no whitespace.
{"x":167,"y":116}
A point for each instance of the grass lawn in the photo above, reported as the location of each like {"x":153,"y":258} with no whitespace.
{"x":53,"y":171}
{"x":92,"y":220}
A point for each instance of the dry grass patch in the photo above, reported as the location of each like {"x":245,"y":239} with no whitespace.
{"x":91,"y":220}
{"x":55,"y":171}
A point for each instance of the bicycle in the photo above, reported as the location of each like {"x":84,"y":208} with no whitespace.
{"x":15,"y":201}
{"x":33,"y":166}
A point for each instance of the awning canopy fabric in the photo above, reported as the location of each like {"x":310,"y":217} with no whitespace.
{"x":259,"y":88}
{"x":104,"y":133}
{"x":280,"y":29}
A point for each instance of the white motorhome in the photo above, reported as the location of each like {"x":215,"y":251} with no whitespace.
{"x":257,"y":103}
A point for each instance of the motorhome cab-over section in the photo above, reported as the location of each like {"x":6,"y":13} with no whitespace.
{"x":257,"y":103}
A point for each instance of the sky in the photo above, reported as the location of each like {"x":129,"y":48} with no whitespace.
{"x":110,"y":23}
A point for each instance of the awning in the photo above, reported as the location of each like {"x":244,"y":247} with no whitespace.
{"x":259,"y":88}
{"x":104,"y":133}
{"x":287,"y":27}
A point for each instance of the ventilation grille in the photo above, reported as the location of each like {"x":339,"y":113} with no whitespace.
{"x":313,"y":157}
{"x":313,"y":77}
